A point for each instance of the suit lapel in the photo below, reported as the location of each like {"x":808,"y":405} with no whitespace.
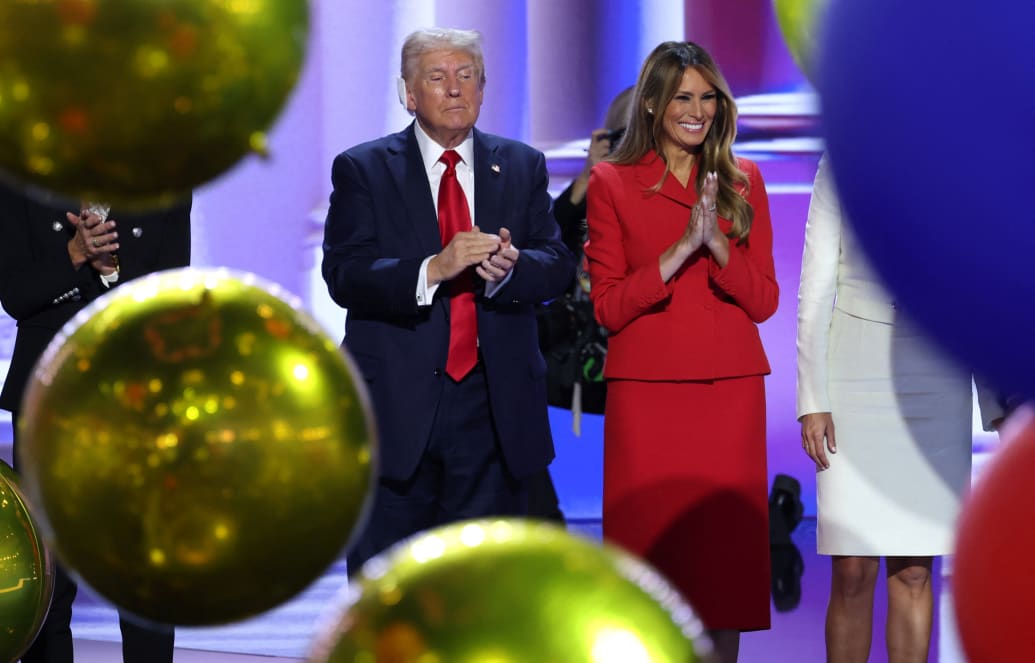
{"x":490,"y":173}
{"x":407,"y":168}
{"x":649,"y":171}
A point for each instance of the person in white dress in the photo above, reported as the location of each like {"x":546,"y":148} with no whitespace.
{"x":891,"y":475}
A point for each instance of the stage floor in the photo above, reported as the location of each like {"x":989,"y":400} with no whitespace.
{"x":284,"y":634}
{"x":101,"y":651}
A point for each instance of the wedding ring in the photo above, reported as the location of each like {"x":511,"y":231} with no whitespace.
{"x":96,"y":242}
{"x":712,"y":208}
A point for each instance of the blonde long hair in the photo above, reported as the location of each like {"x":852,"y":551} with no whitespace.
{"x":658,"y":83}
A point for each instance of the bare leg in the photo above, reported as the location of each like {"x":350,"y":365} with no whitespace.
{"x":849,"y":627}
{"x":727,"y":644}
{"x":910,"y":609}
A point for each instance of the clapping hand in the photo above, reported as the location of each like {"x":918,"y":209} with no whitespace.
{"x":95,"y":241}
{"x":702,"y":226}
{"x":706,"y":209}
{"x":466,"y":249}
{"x":718,"y":244}
{"x":496,"y":267}
{"x":701,"y":230}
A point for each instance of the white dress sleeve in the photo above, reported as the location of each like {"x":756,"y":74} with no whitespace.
{"x":819,"y":267}
{"x":991,"y":403}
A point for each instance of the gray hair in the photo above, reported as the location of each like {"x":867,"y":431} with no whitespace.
{"x":424,"y":40}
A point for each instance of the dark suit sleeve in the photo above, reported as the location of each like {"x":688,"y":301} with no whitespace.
{"x":571,"y":217}
{"x":359,"y":277}
{"x":175,"y":250}
{"x":164,"y":245}
{"x":545,"y":266}
{"x":31,"y":275}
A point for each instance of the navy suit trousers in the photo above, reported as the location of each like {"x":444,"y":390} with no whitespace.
{"x":460,"y":476}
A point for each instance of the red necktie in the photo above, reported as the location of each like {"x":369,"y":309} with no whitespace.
{"x":453,"y":217}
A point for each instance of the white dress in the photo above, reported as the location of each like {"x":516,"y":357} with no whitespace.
{"x":901,"y":409}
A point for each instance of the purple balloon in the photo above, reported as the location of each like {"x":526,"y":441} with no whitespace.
{"x":929,"y":117}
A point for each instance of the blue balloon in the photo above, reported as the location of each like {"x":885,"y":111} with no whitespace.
{"x":929,"y":117}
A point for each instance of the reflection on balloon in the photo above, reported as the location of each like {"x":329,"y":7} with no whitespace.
{"x":136,"y":101}
{"x":509,"y":590}
{"x":993,"y":591}
{"x":932,"y":195}
{"x":26,"y":571}
{"x":199,"y":448}
{"x":800,"y":21}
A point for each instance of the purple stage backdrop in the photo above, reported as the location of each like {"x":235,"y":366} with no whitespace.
{"x":552,"y":69}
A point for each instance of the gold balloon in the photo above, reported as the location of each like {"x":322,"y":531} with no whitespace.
{"x":509,"y":591}
{"x":799,"y":22}
{"x":26,"y":571}
{"x":139,"y":101}
{"x":200,"y":450}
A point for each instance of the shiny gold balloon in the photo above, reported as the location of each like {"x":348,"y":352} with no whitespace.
{"x":199,"y":449}
{"x":140,"y":101}
{"x":26,"y":571}
{"x":800,"y":21}
{"x":509,"y":591}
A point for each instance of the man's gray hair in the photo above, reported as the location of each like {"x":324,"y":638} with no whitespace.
{"x":424,"y":40}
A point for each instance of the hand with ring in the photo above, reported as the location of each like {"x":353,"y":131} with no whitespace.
{"x":716,"y":241}
{"x":95,"y":241}
{"x":709,"y":191}
{"x":702,"y":230}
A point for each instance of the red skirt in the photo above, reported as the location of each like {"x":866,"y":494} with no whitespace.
{"x":685,"y":488}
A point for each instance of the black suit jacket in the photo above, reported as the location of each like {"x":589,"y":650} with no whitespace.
{"x":40,"y":288}
{"x":381,"y":225}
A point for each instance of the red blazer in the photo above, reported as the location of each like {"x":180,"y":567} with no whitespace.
{"x":700,"y":325}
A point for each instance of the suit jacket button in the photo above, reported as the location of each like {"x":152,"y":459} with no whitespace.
{"x":438,"y":372}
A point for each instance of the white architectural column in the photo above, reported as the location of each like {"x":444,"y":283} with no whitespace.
{"x":503,"y":26}
{"x":563,"y":52}
{"x":407,"y":16}
{"x":358,"y":44}
{"x":660,"y":20}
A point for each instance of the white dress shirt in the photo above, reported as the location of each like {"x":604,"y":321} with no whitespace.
{"x":431,"y":153}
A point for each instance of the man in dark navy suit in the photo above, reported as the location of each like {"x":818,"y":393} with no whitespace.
{"x":53,"y":263}
{"x":442,"y":325}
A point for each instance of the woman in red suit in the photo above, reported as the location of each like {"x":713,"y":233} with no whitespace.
{"x":681,"y":266}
